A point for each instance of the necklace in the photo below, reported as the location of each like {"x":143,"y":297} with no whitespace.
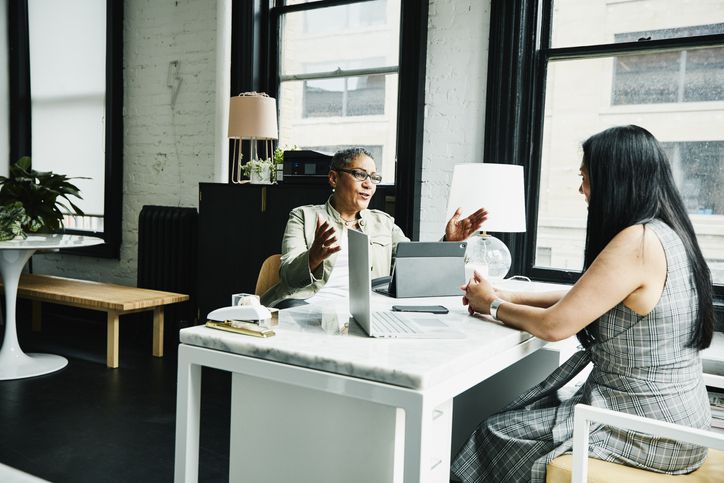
{"x":351,"y":222}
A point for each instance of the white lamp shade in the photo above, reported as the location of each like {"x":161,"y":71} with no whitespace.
{"x":496,"y":187}
{"x":253,"y":117}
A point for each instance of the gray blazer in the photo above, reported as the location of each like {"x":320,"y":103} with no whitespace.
{"x":297,"y":281}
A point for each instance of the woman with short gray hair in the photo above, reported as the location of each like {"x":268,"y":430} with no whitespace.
{"x":314,"y":248}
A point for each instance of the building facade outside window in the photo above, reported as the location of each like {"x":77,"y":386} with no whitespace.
{"x":676,"y":93}
{"x":338,"y":79}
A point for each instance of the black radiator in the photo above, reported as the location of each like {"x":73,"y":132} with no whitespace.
{"x":167,"y":251}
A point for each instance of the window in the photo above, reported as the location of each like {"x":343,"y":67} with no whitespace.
{"x":344,"y":96}
{"x":68,"y":58}
{"x":682,"y":75}
{"x":338,"y":77}
{"x":67,"y":85}
{"x":699,"y":173}
{"x":335,"y":68}
{"x":375,"y":151}
{"x":352,"y":16}
{"x":658,"y":64}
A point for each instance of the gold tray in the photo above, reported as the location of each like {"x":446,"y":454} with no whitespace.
{"x":252,"y":331}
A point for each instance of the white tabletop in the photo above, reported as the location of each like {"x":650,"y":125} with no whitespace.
{"x":314,"y":337}
{"x":39,"y":242}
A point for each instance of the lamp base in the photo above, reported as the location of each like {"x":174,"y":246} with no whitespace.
{"x":488,"y":255}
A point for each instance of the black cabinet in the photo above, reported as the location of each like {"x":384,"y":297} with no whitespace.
{"x":241,"y":225}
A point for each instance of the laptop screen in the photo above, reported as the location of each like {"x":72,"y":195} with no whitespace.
{"x":359,"y":278}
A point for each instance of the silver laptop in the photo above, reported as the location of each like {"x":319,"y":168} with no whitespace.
{"x":385,"y":323}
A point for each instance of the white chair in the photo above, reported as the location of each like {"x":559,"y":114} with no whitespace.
{"x":585,"y":415}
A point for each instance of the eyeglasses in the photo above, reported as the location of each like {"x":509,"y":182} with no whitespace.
{"x":361,"y":175}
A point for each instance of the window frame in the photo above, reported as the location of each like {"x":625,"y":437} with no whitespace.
{"x":255,"y":66}
{"x":20,"y":117}
{"x":520,"y":50}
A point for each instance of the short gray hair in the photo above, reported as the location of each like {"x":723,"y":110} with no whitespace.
{"x":345,"y":156}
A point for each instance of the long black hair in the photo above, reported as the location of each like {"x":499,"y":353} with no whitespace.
{"x":631,"y":183}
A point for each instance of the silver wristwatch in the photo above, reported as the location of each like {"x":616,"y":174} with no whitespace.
{"x":494,"y":305}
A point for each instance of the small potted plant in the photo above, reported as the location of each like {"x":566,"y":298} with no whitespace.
{"x":29,"y":201}
{"x":260,"y":171}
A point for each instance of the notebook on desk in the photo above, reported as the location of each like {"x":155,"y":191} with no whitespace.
{"x":385,"y":323}
{"x":425,"y":269}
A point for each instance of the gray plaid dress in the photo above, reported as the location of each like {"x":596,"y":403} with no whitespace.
{"x":641,"y":365}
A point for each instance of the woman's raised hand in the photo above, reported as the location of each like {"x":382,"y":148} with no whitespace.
{"x":324,"y":243}
{"x":458,"y":230}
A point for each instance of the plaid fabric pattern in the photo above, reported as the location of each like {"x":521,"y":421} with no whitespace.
{"x":641,"y":365}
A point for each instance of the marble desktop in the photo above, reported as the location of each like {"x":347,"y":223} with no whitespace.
{"x":326,"y":339}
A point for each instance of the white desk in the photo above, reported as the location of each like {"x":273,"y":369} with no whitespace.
{"x":386,"y":405}
{"x":14,"y":363}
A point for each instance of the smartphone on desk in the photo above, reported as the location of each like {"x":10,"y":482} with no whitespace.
{"x":432,"y":309}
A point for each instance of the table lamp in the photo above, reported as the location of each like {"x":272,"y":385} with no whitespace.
{"x":499,"y":189}
{"x":252,"y":116}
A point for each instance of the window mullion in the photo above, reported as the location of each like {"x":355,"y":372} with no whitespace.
{"x":682,"y":76}
{"x":339,"y":72}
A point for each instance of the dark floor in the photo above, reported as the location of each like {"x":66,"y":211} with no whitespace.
{"x":88,"y":423}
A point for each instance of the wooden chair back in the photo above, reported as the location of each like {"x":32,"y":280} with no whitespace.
{"x":268,"y":274}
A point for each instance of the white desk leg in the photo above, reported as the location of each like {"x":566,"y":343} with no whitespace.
{"x":188,"y":415}
{"x":428,"y":435}
{"x":417,"y":436}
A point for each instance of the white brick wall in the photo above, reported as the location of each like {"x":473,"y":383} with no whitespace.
{"x":457,"y":57}
{"x":168,"y":151}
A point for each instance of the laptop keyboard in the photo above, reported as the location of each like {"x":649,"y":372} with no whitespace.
{"x":391,"y":323}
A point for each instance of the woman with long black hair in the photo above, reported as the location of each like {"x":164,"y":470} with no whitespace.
{"x":642,"y":310}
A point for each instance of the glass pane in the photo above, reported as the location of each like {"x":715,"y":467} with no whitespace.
{"x":578,"y":104}
{"x":346,"y":96}
{"x":324,"y":98}
{"x":693,"y":75}
{"x":67,"y":76}
{"x":699,"y":172}
{"x":358,"y":35}
{"x":605,"y":21}
{"x":333,"y":113}
{"x":365,"y":95}
{"x":704,"y":75}
{"x":375,"y":151}
{"x":646,"y":79}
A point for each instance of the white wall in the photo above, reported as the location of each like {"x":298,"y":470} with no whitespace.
{"x":169,"y":150}
{"x":457,"y":59}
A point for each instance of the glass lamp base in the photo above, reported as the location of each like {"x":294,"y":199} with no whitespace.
{"x":488,"y":255}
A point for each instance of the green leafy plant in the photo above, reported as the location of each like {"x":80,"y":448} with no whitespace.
{"x":29,"y":200}
{"x":279,"y":153}
{"x":258,"y":166}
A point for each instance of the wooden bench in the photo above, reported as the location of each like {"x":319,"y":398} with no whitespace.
{"x":115,"y":300}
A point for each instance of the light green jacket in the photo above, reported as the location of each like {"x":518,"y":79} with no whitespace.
{"x":297,"y":281}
